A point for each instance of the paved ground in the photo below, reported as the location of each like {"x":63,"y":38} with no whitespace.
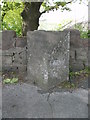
{"x":24,"y":101}
{"x":0,"y":98}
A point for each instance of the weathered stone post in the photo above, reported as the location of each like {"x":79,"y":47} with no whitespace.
{"x":48,"y":58}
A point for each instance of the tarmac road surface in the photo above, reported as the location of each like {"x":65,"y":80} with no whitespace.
{"x":24,"y":101}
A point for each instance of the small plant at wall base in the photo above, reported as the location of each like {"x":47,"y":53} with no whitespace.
{"x":79,"y":78}
{"x":10,"y":81}
{"x":86,"y":72}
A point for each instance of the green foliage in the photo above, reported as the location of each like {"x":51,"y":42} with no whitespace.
{"x":84,"y":32}
{"x":11,"y":18}
{"x":10,"y":81}
{"x":88,"y":33}
{"x":64,"y":24}
{"x":82,"y":29}
{"x":12,"y":21}
{"x":55,"y":6}
{"x":6,"y":81}
{"x":86,"y":71}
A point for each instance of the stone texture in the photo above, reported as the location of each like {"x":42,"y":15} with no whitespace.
{"x":0,"y":40}
{"x":0,"y":97}
{"x":0,"y":51}
{"x":20,"y":42}
{"x":74,"y":38}
{"x":0,"y":60}
{"x":78,"y":51}
{"x":24,"y":101}
{"x":14,"y":59}
{"x":78,"y":58}
{"x":48,"y":58}
{"x":7,"y":39}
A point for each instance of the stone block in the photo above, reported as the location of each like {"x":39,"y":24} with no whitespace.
{"x":6,"y":60}
{"x":14,"y":68}
{"x":75,"y":41}
{"x":0,"y":60}
{"x":72,"y":54}
{"x":20,"y":42}
{"x":20,"y":56}
{"x":7,"y":39}
{"x":48,"y":58}
{"x":86,"y":42}
{"x":77,"y":65}
{"x":14,"y":59}
{"x":0,"y":40}
{"x":9,"y":68}
{"x":82,"y":54}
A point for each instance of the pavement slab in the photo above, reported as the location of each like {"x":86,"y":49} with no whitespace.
{"x":23,"y":100}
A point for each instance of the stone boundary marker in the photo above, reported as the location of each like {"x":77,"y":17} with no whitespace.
{"x":48,"y":58}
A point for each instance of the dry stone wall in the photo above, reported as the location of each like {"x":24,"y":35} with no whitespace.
{"x":78,"y":51}
{"x":13,"y":51}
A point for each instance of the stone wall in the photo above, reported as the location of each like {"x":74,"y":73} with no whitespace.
{"x":13,"y":51}
{"x":78,"y":51}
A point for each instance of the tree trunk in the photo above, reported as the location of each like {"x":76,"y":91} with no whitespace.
{"x":31,"y":15}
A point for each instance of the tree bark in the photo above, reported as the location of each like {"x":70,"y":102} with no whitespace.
{"x":31,"y":15}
